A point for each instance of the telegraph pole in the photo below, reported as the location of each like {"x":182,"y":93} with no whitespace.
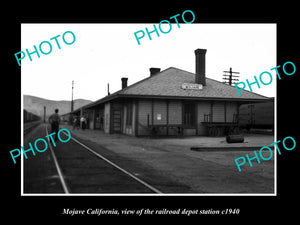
{"x":44,"y":114}
{"x":229,"y":77}
{"x":72,"y":102}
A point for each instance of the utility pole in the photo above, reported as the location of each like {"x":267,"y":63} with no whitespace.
{"x":229,"y":77}
{"x":44,"y":114}
{"x":72,"y":102}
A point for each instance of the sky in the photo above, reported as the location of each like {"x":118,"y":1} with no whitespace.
{"x":104,"y":53}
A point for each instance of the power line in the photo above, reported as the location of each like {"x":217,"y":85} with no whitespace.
{"x":229,"y":77}
{"x":72,"y":102}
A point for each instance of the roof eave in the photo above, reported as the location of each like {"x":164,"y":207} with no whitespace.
{"x":192,"y":98}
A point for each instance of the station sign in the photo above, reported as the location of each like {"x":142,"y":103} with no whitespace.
{"x":191,"y":86}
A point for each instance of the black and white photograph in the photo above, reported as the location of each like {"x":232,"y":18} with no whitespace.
{"x":162,"y":112}
{"x":169,"y":115}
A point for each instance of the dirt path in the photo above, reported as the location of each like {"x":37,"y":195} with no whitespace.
{"x":204,"y":172}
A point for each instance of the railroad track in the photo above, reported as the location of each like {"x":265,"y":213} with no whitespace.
{"x":29,"y":126}
{"x":82,"y":169}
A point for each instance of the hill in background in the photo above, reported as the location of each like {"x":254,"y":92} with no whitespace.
{"x":36,"y":105}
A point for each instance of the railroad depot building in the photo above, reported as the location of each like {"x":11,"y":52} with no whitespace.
{"x":170,"y":102}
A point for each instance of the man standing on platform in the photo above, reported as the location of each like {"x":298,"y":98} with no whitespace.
{"x":54,"y":120}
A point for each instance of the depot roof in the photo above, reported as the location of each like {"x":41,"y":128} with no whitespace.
{"x":167,"y":84}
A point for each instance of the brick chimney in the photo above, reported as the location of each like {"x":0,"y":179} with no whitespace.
{"x":200,"y":66}
{"x":124,"y":82}
{"x":154,"y":71}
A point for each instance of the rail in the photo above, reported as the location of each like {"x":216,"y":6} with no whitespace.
{"x":67,"y":188}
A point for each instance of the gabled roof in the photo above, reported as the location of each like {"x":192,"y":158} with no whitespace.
{"x":168,"y":84}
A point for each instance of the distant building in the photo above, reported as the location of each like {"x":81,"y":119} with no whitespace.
{"x":170,"y":102}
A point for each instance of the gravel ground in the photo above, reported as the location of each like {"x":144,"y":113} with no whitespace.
{"x":204,"y":171}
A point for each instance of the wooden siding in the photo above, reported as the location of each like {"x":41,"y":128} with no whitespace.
{"x":107,"y":118}
{"x":91,"y":119}
{"x":172,"y":109}
{"x":129,"y":128}
{"x":204,"y":107}
{"x":159,"y":112}
{"x":231,"y":109}
{"x":218,"y":112}
{"x":145,"y":112}
{"x":175,"y":112}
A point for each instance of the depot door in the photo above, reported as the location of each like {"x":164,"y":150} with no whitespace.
{"x":116,"y":121}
